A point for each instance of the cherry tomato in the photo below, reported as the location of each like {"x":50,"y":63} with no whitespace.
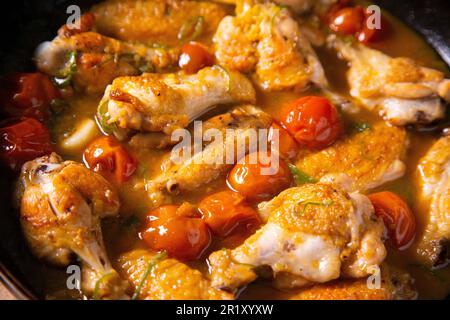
{"x":258,"y":178}
{"x":227,"y":212}
{"x":87,"y":21}
{"x":348,"y":20}
{"x":23,"y":141}
{"x":367,"y":35}
{"x":287,"y":146}
{"x":27,"y":95}
{"x":313,"y":122}
{"x":107,"y":156}
{"x":397,"y":217}
{"x":177,"y":230}
{"x":194,"y":56}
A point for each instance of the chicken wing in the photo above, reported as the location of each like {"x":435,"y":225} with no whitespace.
{"x":265,"y":40}
{"x":61,"y":204}
{"x":156,"y":21}
{"x":434,"y":172}
{"x":314,"y":234}
{"x":404,"y":92}
{"x":92,"y":60}
{"x":370,"y":158}
{"x":165,"y":102}
{"x":213,"y":161}
{"x":166,"y":279}
{"x":299,"y":6}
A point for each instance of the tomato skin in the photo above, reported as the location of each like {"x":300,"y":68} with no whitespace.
{"x":366,"y":35}
{"x":348,"y":20}
{"x":287,"y":146}
{"x":397,"y":217}
{"x":247,"y":179}
{"x":87,"y":21}
{"x":108,"y":156}
{"x":23,"y":141}
{"x":226,"y":212}
{"x":178,"y":231}
{"x":313,"y":122}
{"x":28,"y":95}
{"x":194,"y":56}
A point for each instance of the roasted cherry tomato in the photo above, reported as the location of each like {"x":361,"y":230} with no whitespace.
{"x":259,"y":177}
{"x":177,"y":230}
{"x":287,"y":146}
{"x":348,"y":21}
{"x":23,"y":141}
{"x":86,"y":23}
{"x":27,"y":95}
{"x":397,"y":217}
{"x":194,"y":56}
{"x":313,"y":122}
{"x":367,"y":35}
{"x":227,"y":212}
{"x":107,"y":156}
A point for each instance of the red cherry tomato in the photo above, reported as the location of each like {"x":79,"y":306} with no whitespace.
{"x":397,"y":217}
{"x":227,"y":212}
{"x":27,"y":95}
{"x":313,"y":122}
{"x":258,"y":178}
{"x":367,"y":35}
{"x":177,"y":230}
{"x":348,"y":20}
{"x":108,"y":156}
{"x":194,"y":56}
{"x":23,"y":141}
{"x":86,"y":23}
{"x":287,"y":146}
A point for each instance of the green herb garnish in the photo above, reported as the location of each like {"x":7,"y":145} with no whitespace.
{"x":300,"y":177}
{"x":103,"y":118}
{"x":151,"y":264}
{"x":65,"y":75}
{"x":361,"y":126}
{"x":191,"y":29}
{"x":106,"y":277}
{"x":306,"y":204}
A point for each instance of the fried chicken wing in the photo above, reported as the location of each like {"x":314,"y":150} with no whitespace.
{"x":434,"y":171}
{"x":265,"y":40}
{"x":370,"y":158}
{"x":314,"y":233}
{"x":212,"y":162}
{"x":99,"y":59}
{"x":404,"y":92}
{"x":165,"y":102}
{"x":156,"y":21}
{"x":167,"y":279}
{"x":61,"y":204}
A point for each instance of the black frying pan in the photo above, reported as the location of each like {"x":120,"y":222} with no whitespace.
{"x":25,"y":24}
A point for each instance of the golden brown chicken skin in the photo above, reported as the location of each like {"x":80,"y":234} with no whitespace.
{"x":167,"y":279}
{"x":370,"y":158}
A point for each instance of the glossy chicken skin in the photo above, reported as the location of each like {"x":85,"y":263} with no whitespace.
{"x":61,"y":204}
{"x":168,"y":279}
{"x":265,"y":40}
{"x":155,"y":21}
{"x":314,"y":233}
{"x":210,"y":163}
{"x":165,"y":102}
{"x":100,"y":59}
{"x":434,"y":172}
{"x":370,"y":158}
{"x":402,"y":90}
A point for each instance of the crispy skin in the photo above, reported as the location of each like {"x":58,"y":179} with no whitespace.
{"x":434,"y":171}
{"x":169,"y":279}
{"x":100,"y":59}
{"x":164,"y":102}
{"x":314,"y":233}
{"x":370,"y":158}
{"x":154,"y":21}
{"x":265,"y":40}
{"x":205,"y":166}
{"x":61,"y":204}
{"x":404,"y":92}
